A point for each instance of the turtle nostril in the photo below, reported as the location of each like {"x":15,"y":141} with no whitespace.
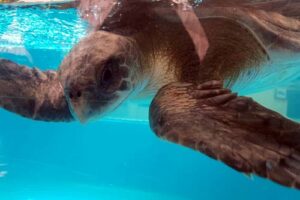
{"x":71,"y":95}
{"x":75,"y":94}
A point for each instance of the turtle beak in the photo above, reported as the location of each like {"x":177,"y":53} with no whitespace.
{"x":79,"y":111}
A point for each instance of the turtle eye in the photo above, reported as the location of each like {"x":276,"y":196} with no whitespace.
{"x":110,"y":77}
{"x":107,"y":76}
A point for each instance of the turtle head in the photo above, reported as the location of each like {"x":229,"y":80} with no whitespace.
{"x":99,"y":74}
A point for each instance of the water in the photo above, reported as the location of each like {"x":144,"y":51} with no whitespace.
{"x":32,"y":35}
{"x":116,"y":158}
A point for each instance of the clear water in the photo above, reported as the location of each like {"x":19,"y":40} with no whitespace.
{"x":33,"y":35}
{"x":116,"y":158}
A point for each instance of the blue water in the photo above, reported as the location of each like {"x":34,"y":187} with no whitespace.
{"x":116,"y":158}
{"x":39,"y":37}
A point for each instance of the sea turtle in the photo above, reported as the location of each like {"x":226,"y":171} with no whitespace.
{"x":142,"y":49}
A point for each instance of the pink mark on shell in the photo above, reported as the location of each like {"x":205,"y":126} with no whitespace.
{"x":95,"y":11}
{"x":193,"y":26}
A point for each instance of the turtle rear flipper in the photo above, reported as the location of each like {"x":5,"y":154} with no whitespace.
{"x":32,"y":93}
{"x":236,"y":130}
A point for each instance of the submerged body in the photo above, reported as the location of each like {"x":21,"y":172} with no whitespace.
{"x":143,"y":48}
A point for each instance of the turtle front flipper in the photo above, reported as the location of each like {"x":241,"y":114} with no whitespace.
{"x":32,"y":93}
{"x":236,"y":130}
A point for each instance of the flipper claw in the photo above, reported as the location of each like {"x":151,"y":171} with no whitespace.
{"x":220,"y":99}
{"x":209,"y":93}
{"x":214,"y":84}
